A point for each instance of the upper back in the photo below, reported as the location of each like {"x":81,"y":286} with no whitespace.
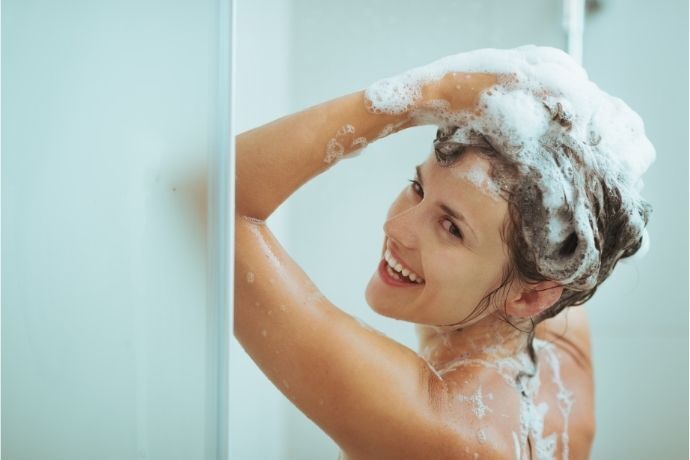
{"x":548,"y":416}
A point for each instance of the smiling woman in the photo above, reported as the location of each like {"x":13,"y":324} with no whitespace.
{"x":504,"y":225}
{"x":428,"y":230}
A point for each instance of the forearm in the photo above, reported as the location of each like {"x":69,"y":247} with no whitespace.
{"x":275,"y":159}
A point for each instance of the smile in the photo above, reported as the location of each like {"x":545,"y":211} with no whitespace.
{"x":393,"y":271}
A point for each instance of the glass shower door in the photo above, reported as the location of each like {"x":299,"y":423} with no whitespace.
{"x":113,"y":324}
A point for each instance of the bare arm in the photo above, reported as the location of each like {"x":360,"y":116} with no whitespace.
{"x":366,"y":391}
{"x":348,"y":379}
{"x":274,"y":160}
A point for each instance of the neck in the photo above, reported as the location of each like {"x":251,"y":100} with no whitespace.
{"x":491,"y":338}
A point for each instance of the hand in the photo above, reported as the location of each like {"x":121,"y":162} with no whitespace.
{"x":461,"y":90}
{"x":421,"y":95}
{"x":447,"y":89}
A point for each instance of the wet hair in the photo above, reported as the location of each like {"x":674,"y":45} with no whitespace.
{"x":616,"y":235}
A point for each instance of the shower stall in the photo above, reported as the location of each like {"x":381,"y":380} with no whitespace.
{"x":117,"y":181}
{"x":115,"y":311}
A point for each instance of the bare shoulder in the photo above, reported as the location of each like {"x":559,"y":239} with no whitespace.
{"x":569,"y":331}
{"x":567,"y":380}
{"x":477,"y":409}
{"x":484,"y":410}
{"x":490,"y":414}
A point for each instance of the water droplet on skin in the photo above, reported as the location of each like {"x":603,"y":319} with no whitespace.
{"x":264,"y":333}
{"x":258,"y":304}
{"x":283,"y":308}
{"x":250,"y":277}
{"x":481,"y":436}
{"x":320,"y":402}
{"x":286,"y":384}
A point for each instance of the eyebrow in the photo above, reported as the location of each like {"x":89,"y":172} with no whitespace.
{"x":447,"y":209}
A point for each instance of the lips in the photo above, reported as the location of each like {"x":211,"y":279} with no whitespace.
{"x":400,"y":267}
{"x":390,"y":280}
{"x":393,"y":278}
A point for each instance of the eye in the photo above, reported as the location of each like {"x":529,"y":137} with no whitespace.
{"x":452,"y":228}
{"x":417,"y":187}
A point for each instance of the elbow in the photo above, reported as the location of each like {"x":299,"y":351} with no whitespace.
{"x":249,"y":220}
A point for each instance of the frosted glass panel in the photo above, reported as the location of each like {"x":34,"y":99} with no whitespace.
{"x":109,"y":333}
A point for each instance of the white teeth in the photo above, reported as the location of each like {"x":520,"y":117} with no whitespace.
{"x":397,"y":266}
{"x":392,"y":273}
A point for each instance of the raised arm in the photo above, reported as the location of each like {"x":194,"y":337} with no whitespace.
{"x":365,"y":390}
{"x":289,"y":151}
{"x":274,"y":160}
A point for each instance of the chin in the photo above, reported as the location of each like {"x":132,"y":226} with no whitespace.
{"x":371,"y":298}
{"x":379,"y":305}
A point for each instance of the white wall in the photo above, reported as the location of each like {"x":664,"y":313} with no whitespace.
{"x":638,"y":51}
{"x":108,"y":343}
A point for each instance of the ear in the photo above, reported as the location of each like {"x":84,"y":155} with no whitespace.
{"x":527,"y":300}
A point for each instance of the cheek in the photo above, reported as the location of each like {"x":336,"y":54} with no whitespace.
{"x":444,"y":276}
{"x":459,"y":276}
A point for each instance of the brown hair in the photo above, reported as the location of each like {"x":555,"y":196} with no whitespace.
{"x":615,"y":234}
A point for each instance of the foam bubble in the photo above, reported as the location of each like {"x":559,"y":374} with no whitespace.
{"x":336,"y":146}
{"x":545,"y":117}
{"x":478,"y":176}
{"x":254,"y":220}
{"x":520,"y":372}
{"x":478,"y":407}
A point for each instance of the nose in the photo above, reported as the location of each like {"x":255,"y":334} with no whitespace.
{"x":402,"y":227}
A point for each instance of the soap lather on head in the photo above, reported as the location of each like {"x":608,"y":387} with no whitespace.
{"x":567,"y":157}
{"x":574,"y":210}
{"x":590,"y":248}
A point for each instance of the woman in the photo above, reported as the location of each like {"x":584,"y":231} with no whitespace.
{"x":510,"y":220}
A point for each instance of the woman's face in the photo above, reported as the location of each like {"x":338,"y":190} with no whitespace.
{"x":459,"y":260}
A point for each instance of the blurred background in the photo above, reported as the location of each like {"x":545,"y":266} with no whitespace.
{"x":292,"y":54}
